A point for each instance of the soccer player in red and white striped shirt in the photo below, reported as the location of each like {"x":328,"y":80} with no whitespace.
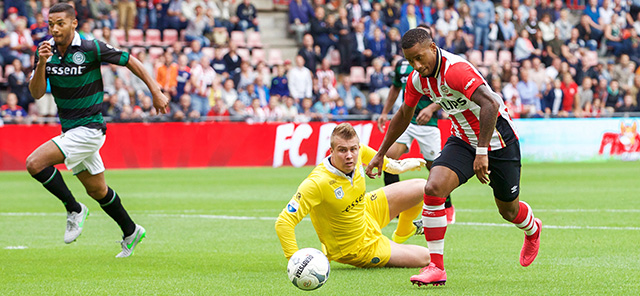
{"x":484,"y":143}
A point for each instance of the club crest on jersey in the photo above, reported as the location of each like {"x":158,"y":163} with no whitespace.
{"x":444,"y":89}
{"x":78,"y":58}
{"x":292,"y":207}
{"x":339,"y":192}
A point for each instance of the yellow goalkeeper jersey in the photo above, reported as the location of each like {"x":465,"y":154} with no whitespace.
{"x":336,"y":203}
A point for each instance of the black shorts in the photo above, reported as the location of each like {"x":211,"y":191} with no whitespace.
{"x":504,"y":165}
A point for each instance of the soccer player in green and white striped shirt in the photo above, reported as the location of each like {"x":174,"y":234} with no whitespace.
{"x":72,"y":67}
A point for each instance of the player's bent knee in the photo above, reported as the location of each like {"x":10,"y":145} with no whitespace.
{"x":33,"y":165}
{"x":434,"y":189}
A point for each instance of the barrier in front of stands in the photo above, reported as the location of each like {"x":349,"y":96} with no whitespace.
{"x":168,"y":145}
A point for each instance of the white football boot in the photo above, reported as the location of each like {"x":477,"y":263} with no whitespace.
{"x":130,"y":242}
{"x":75,"y":223}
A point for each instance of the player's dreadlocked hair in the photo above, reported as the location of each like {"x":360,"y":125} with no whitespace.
{"x":343,"y":131}
{"x":63,"y":7}
{"x":415,"y":36}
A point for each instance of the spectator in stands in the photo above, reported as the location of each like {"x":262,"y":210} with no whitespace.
{"x":19,"y":85}
{"x":136,"y":84}
{"x":255,"y":113}
{"x":373,"y":22}
{"x":584,"y":98}
{"x":238,"y":111}
{"x":377,"y":45}
{"x":167,"y":72}
{"x":310,"y":53}
{"x":328,"y":88}
{"x":623,"y":72}
{"x":320,"y":32}
{"x":101,"y":11}
{"x":590,"y":34}
{"x":202,"y":76}
{"x":323,"y":107}
{"x":391,"y":14}
{"x":593,"y":20}
{"x":358,"y":107}
{"x":503,"y":7}
{"x":507,"y":36}
{"x":219,"y":109}
{"x":343,"y":27}
{"x":247,"y":16}
{"x":552,"y":99}
{"x":600,"y":91}
{"x":530,"y":96}
{"x":183,"y":79}
{"x":218,"y":64}
{"x":21,"y":43}
{"x":6,"y":57}
{"x":83,"y":11}
{"x":306,"y":112}
{"x":85,"y":31}
{"x":122,"y":93}
{"x":325,"y":71}
{"x":348,"y":92}
{"x":280,"y":83}
{"x":360,"y":53}
{"x":523,"y":48}
{"x":198,"y":26}
{"x":108,"y":37}
{"x":547,"y":28}
{"x":229,"y":93}
{"x":247,"y":76}
{"x":613,"y":37}
{"x":374,"y":105}
{"x":483,"y":13}
{"x":614,"y":97}
{"x":569,"y":91}
{"x":145,"y":110}
{"x":300,"y":80}
{"x":300,"y":15}
{"x":126,"y":15}
{"x":355,"y":11}
{"x":627,"y":105}
{"x":538,"y":74}
{"x":564,"y":25}
{"x":394,"y":50}
{"x":262,"y":91}
{"x":184,"y":110}
{"x":228,"y":18}
{"x":446,"y":27}
{"x":379,"y":82}
{"x":12,"y":112}
{"x":39,"y":30}
{"x":510,"y":91}
{"x":339,"y":111}
{"x":290,"y":109}
{"x":411,"y":20}
{"x":232,"y":60}
{"x":274,"y":111}
{"x":110,"y":108}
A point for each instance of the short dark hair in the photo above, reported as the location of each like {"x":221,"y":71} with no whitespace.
{"x":415,"y":36}
{"x":63,"y":7}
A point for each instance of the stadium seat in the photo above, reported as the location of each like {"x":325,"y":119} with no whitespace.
{"x":155,"y":52}
{"x":136,"y":50}
{"x":244,"y":54}
{"x":153,"y":37}
{"x":475,"y":57}
{"x":136,"y":37}
{"x":238,"y":38}
{"x":490,"y":58}
{"x":119,"y":35}
{"x":254,"y":40}
{"x":484,"y":71}
{"x":334,"y":57}
{"x":504,"y":56}
{"x":223,"y":50}
{"x":209,"y":51}
{"x":275,"y":57}
{"x":169,"y":36}
{"x":369,"y":71}
{"x":358,"y":74}
{"x":257,"y":55}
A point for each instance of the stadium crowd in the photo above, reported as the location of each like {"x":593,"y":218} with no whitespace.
{"x":544,"y":58}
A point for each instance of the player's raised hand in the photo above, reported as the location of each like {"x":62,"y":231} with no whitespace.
{"x":382,"y":120}
{"x":44,"y":51}
{"x":481,"y":167}
{"x":160,"y":102}
{"x":376,"y":162}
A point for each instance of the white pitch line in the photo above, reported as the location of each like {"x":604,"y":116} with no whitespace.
{"x":227,"y":217}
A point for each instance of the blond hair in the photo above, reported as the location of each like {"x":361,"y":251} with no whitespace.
{"x":344,"y":131}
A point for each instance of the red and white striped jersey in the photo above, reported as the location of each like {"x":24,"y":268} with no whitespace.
{"x":454,"y":82}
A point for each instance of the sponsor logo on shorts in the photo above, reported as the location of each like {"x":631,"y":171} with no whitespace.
{"x":292,"y":207}
{"x":339,"y":192}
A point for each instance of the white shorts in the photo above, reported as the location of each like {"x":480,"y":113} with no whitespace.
{"x":428,"y":138}
{"x":81,"y":149}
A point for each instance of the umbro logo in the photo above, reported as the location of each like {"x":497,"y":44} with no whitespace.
{"x":514,"y":189}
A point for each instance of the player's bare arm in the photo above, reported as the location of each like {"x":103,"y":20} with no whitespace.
{"x":160,"y":101}
{"x":488,"y":116}
{"x":425,"y":114}
{"x":398,"y":125}
{"x":38,"y":83}
{"x":394,"y":91}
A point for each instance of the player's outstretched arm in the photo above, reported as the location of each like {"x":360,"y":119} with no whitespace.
{"x":160,"y":101}
{"x":394,"y":91}
{"x":488,"y":116}
{"x":398,"y":125}
{"x":38,"y":82}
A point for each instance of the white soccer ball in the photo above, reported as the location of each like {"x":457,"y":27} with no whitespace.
{"x":308,"y":269}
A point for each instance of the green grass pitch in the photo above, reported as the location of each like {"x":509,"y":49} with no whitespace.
{"x":211,"y":232}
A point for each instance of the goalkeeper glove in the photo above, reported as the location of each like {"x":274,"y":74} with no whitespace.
{"x":401,"y":166}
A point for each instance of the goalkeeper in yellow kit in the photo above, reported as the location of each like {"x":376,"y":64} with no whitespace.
{"x":347,"y":219}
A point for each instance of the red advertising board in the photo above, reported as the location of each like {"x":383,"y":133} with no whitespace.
{"x":168,"y":145}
